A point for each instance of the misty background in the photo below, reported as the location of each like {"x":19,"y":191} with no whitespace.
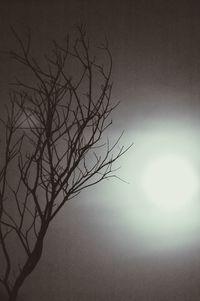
{"x":108,"y":244}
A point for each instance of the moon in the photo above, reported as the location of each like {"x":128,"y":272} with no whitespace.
{"x":170,"y":181}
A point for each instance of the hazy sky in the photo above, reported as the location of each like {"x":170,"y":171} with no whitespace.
{"x":115,"y":245}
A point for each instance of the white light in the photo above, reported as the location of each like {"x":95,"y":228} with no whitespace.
{"x":170,"y":181}
{"x":159,"y":210}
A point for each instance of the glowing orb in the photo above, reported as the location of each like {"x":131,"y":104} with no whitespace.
{"x":170,"y":181}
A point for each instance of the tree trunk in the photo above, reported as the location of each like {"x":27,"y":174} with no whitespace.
{"x":13,"y":295}
{"x":29,"y":266}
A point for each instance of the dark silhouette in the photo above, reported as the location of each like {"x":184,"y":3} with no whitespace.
{"x":54,"y":144}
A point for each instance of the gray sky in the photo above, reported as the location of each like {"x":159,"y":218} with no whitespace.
{"x":111,"y":246}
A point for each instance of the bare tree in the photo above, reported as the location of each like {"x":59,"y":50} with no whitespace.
{"x":54,"y":144}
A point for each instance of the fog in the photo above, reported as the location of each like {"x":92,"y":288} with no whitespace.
{"x":112,"y":242}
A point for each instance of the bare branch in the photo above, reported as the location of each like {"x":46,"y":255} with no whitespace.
{"x":54,"y":140}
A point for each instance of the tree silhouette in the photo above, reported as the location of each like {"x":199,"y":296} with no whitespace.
{"x":54,"y":143}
